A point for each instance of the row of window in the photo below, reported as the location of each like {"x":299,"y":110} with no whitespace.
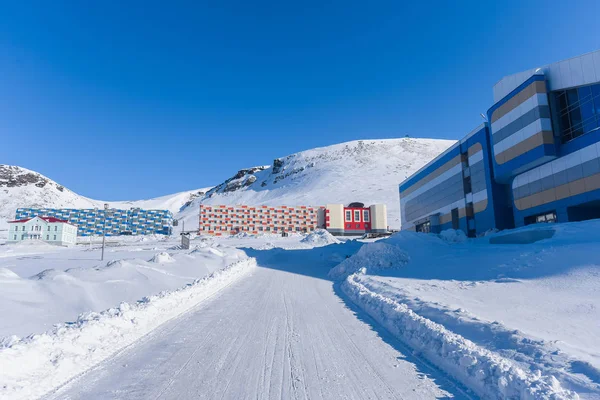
{"x":259,"y":228}
{"x":578,"y":111}
{"x":37,"y":237}
{"x":548,"y":217}
{"x":36,"y":228}
{"x":356,"y":226}
{"x":357,"y":214}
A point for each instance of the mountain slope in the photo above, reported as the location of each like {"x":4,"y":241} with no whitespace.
{"x":368,"y":171}
{"x":21,"y":187}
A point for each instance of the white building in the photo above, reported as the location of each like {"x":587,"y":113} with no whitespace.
{"x":48,"y":229}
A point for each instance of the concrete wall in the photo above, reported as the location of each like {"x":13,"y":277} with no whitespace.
{"x":378,"y":217}
{"x":335,"y":212}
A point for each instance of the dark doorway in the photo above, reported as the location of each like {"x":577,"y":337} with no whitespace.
{"x":454,"y":214}
{"x":584,"y":211}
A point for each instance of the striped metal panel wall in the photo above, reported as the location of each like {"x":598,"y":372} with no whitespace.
{"x":91,"y":221}
{"x":571,"y":175}
{"x":522,"y":136}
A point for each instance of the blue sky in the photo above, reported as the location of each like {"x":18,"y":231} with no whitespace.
{"x":150,"y":98}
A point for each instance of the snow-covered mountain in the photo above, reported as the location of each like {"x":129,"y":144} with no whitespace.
{"x":21,"y":187}
{"x":367,"y":171}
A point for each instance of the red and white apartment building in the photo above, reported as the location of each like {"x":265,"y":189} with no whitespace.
{"x":338,"y":219}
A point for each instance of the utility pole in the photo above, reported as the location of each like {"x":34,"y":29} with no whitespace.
{"x":104,"y":230}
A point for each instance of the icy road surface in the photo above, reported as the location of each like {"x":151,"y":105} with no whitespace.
{"x":282,"y":333}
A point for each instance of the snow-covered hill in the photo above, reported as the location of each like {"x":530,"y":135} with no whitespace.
{"x":367,"y":171}
{"x":21,"y":187}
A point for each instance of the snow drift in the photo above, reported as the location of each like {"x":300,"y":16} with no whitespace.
{"x":318,"y":238}
{"x":34,"y":365}
{"x":484,"y":372}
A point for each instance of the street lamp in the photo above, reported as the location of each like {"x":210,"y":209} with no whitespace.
{"x":104,"y":230}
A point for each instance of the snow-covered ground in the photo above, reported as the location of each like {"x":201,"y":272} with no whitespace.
{"x":41,"y":285}
{"x":533,"y":305}
{"x":333,"y":317}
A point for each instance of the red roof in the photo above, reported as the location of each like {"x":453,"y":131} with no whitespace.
{"x":47,"y":219}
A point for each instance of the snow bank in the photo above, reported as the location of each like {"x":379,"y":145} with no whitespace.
{"x":371,"y":257}
{"x":162,"y":257}
{"x":34,"y":365}
{"x":453,"y":236}
{"x":319,"y":237}
{"x":487,"y":374}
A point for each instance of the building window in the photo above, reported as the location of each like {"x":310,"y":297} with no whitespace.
{"x":54,"y":237}
{"x":348,"y":215}
{"x":425,"y":227}
{"x":578,"y":111}
{"x":55,"y":228}
{"x":467,"y":185}
{"x":348,"y":226}
{"x":47,"y":237}
{"x":357,"y":226}
{"x":15,"y":237}
{"x":356,"y":216}
{"x":547,"y":217}
{"x":366,"y":215}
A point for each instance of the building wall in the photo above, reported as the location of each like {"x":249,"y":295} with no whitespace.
{"x":441,"y":186}
{"x":379,"y":218}
{"x":58,"y":233}
{"x":229,"y":220}
{"x":538,"y":156}
{"x":91,"y":221}
{"x":334,"y":217}
{"x":522,"y":135}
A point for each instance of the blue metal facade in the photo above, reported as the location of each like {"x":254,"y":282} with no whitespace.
{"x":536,"y":160}
{"x":91,"y":221}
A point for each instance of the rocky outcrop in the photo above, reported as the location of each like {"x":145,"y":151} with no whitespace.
{"x":13,"y":176}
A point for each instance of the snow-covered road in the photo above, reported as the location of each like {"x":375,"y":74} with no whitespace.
{"x":282,"y":333}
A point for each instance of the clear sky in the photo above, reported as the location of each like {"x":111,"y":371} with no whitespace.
{"x":134,"y":101}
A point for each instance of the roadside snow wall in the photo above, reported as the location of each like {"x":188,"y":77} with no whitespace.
{"x":35,"y":365}
{"x":487,"y":374}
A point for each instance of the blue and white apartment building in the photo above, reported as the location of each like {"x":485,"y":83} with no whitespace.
{"x":536,"y":159}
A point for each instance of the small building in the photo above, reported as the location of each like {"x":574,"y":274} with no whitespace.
{"x":535,"y":160}
{"x":355,"y":219}
{"x":47,"y":229}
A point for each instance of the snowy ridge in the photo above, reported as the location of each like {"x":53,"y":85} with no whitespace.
{"x":484,"y":372}
{"x":53,"y":358}
{"x":368,"y":171}
{"x":21,"y":187}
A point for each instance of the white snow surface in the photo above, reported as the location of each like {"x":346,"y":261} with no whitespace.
{"x":283,"y":332}
{"x":411,"y":311}
{"x":319,"y":237}
{"x":52,"y":358}
{"x":526,"y":310}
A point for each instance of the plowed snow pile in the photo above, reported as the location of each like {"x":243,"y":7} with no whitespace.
{"x":318,"y":238}
{"x":509,"y":321}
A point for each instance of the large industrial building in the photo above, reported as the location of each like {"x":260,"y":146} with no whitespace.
{"x":354,"y":219}
{"x":92,"y":221}
{"x":536,"y":159}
